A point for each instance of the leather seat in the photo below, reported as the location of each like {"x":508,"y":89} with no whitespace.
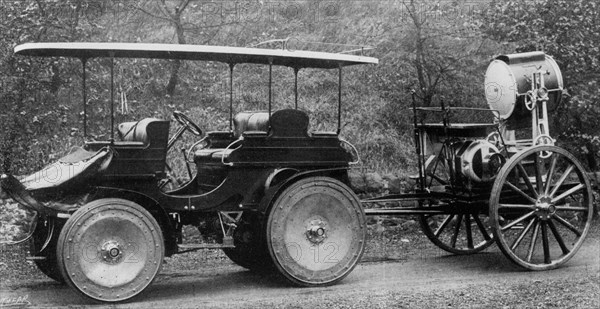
{"x":135,"y":131}
{"x":211,"y":154}
{"x":243,"y":122}
{"x":289,"y":123}
{"x":250,"y":122}
{"x":286,"y":123}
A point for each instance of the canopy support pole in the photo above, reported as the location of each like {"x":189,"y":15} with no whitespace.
{"x":231,"y":65}
{"x":296,"y":87}
{"x":270,"y":84}
{"x":339,"y":129}
{"x":112,"y":97}
{"x":84,"y":94}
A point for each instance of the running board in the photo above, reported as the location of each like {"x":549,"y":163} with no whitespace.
{"x":401,"y":211}
{"x":35,"y":258}
{"x":227,"y":243}
{"x":187,"y":247}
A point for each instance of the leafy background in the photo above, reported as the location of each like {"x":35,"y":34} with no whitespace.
{"x":438,"y":48}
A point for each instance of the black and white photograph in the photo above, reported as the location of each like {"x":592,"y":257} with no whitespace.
{"x":299,"y":154}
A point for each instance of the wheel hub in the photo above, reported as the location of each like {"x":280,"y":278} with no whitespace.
{"x":111,"y":252}
{"x":316,"y":232}
{"x":544,"y":208}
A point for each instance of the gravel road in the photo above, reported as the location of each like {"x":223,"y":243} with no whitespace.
{"x":433,"y":280}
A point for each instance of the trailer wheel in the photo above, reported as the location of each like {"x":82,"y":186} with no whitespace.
{"x":462,"y":232}
{"x":541,"y":207}
{"x":43,"y":244}
{"x":316,"y":231}
{"x":110,"y":249}
{"x":251,"y":258}
{"x":250,"y":249}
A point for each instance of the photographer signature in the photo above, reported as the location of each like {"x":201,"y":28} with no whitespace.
{"x":17,"y":301}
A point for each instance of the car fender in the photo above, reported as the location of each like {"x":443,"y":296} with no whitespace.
{"x":151,"y":205}
{"x":272,"y":191}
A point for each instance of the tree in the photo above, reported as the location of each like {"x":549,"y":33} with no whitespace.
{"x":443,"y":48}
{"x":30,"y":87}
{"x":173,"y":15}
{"x":177,"y":15}
{"x":436,"y":49}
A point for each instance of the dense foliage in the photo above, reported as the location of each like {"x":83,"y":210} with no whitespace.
{"x":569,"y":30}
{"x":439,"y":49}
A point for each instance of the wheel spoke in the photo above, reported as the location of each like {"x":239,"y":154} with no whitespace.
{"x":550,"y":173}
{"x":562,"y":179}
{"x":545,"y":244}
{"x":443,"y":225}
{"x":536,"y":229}
{"x":571,"y":208}
{"x":481,"y":227}
{"x":521,"y":219}
{"x":517,"y":241}
{"x":442,"y":170}
{"x":525,"y":177}
{"x":514,"y":188}
{"x":468,"y":231}
{"x":456,"y":230}
{"x":517,"y":206}
{"x":567,"y":193}
{"x":538,"y":174}
{"x":567,"y":224}
{"x":558,"y":238}
{"x":440,"y":180}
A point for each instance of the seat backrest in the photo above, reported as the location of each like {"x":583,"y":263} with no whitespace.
{"x":250,"y":121}
{"x":289,"y":123}
{"x":138,"y":131}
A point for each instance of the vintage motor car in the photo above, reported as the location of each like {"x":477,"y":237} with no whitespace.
{"x":270,"y":188}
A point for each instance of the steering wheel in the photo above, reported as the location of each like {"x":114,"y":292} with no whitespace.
{"x":187,"y":123}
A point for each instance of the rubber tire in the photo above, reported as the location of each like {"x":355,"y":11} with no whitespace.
{"x":295,"y":212}
{"x":90,"y":210}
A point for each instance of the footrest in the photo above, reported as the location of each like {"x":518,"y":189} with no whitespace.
{"x":204,"y":246}
{"x":35,"y":258}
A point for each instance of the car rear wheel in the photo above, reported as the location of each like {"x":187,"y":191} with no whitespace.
{"x":316,"y":231}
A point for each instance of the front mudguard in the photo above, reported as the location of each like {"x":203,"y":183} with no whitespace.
{"x":59,"y":188}
{"x":13,"y":188}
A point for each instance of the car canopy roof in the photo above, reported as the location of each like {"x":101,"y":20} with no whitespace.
{"x":225,"y":54}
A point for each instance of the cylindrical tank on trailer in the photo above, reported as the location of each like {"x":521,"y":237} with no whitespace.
{"x":508,"y":79}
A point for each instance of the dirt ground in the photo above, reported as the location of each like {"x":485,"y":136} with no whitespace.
{"x":400,"y":268}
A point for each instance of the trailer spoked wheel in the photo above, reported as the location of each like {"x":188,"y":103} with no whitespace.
{"x":43,"y":245}
{"x":250,"y":249}
{"x":465,"y":232}
{"x":316,"y":231}
{"x":541,"y":207}
{"x":110,"y":249}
